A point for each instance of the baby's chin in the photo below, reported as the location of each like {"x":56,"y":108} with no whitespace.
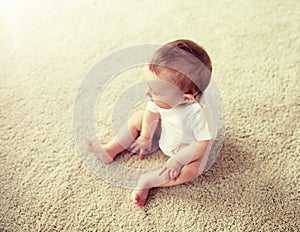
{"x":161,"y":104}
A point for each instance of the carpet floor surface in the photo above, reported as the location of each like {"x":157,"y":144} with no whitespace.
{"x":48,"y":47}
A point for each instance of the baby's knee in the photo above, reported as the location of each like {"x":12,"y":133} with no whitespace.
{"x":136,"y":119}
{"x":192,"y":172}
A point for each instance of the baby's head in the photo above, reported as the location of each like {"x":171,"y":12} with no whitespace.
{"x":182,"y":64}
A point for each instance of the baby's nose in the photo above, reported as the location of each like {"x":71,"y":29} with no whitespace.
{"x":148,"y":93}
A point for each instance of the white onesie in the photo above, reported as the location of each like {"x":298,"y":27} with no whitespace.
{"x":181,"y":125}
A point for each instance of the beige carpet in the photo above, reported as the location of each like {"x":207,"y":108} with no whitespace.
{"x":46,"y":49}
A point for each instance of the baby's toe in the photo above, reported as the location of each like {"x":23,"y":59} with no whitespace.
{"x":140,"y":197}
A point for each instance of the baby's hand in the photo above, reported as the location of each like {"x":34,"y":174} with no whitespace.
{"x":141,"y":145}
{"x":172,"y":169}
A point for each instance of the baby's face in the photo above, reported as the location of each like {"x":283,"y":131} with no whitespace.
{"x":162,"y":93}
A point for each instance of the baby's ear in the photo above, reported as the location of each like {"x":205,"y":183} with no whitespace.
{"x":188,"y":98}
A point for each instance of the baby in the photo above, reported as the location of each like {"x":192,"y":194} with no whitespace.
{"x":177,"y":75}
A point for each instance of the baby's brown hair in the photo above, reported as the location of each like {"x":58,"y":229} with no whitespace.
{"x":183,"y":63}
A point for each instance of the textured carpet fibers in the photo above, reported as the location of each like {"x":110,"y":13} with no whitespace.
{"x":46,"y":49}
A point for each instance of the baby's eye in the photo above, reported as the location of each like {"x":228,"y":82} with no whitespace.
{"x":152,"y":92}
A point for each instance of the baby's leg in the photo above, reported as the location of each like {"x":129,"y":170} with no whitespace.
{"x":150,"y":180}
{"x":187,"y":174}
{"x":123,"y":139}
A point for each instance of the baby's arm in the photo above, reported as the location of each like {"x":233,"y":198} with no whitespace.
{"x":149,"y":125}
{"x":186,"y":155}
{"x":143,"y":143}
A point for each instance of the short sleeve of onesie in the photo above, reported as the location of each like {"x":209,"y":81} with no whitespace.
{"x":199,"y":124}
{"x":151,"y":106}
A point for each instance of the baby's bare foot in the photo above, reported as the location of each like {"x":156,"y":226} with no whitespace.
{"x":102,"y":154}
{"x":140,"y":196}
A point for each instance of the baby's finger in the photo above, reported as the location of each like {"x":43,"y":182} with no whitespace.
{"x":172,"y":174}
{"x":134,"y":150}
{"x":176,"y":175}
{"x":168,"y":176}
{"x":141,"y":154}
